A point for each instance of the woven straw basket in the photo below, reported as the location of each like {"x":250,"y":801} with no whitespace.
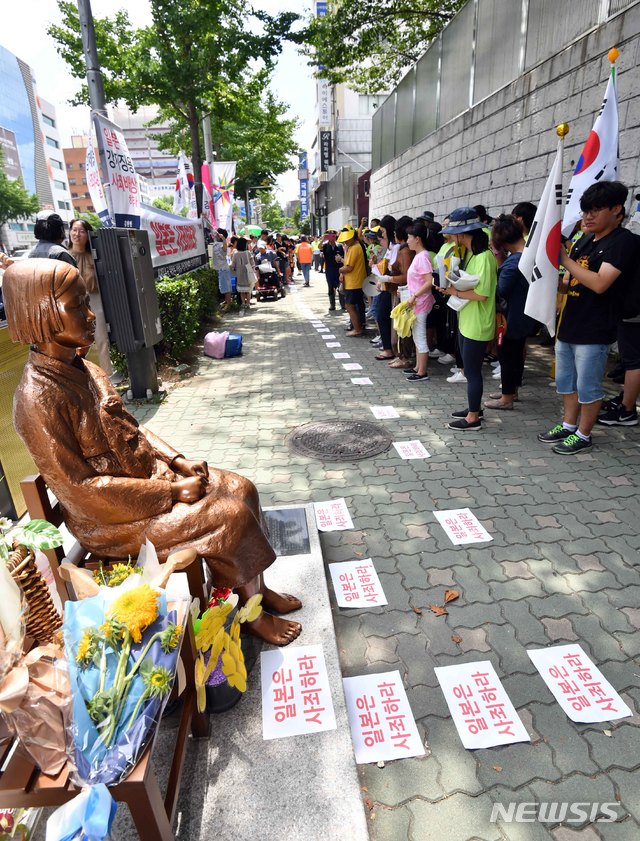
{"x":43,"y":620}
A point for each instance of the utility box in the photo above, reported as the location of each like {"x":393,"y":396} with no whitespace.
{"x":125,"y":274}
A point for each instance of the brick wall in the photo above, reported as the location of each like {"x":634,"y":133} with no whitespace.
{"x":500,"y":151}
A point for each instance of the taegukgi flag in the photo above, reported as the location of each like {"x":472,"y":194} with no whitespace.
{"x":185,"y":194}
{"x":599,"y":158}
{"x":540,"y":259}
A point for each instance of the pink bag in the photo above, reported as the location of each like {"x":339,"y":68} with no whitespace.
{"x":214,"y":344}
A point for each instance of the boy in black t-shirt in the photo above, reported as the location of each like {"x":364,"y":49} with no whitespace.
{"x":589,"y":319}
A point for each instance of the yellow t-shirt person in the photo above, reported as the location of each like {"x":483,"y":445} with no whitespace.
{"x":354,"y":258}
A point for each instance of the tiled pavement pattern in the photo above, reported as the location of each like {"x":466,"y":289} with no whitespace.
{"x":562,"y":566}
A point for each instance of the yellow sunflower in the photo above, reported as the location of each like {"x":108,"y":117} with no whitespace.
{"x":136,"y":609}
{"x":83,"y":654}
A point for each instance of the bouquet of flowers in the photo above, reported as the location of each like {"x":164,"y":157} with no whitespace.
{"x":122,"y":646}
{"x":219,"y":651}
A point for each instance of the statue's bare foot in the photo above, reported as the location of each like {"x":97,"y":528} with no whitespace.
{"x":279,"y":602}
{"x":273,"y":629}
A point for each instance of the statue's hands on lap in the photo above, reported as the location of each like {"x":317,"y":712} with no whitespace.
{"x":190,"y":467}
{"x":189,"y":490}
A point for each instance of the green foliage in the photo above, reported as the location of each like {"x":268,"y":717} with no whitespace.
{"x":92,"y":218}
{"x":196,"y":58}
{"x":15,"y":201}
{"x":371,"y":47}
{"x":184,"y":302}
{"x":300,"y":227}
{"x":163,"y":203}
{"x":271,"y":213}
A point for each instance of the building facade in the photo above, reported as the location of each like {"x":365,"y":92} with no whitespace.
{"x":157,"y":169}
{"x":473,"y":122}
{"x":31,"y":147}
{"x":74,"y":158}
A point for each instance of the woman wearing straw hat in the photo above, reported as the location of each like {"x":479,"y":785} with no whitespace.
{"x":477,"y":310}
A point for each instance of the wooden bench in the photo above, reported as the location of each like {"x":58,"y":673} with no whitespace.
{"x":40,"y":506}
{"x":23,"y":785}
{"x":21,"y":782}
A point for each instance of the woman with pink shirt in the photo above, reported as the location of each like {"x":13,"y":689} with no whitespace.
{"x":419,"y":283}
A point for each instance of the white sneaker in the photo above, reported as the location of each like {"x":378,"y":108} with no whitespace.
{"x":447,"y":359}
{"x":454,"y":369}
{"x":495,"y":363}
{"x":435,"y":353}
{"x":496,"y":373}
{"x":459,"y":377}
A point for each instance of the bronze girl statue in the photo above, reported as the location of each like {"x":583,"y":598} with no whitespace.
{"x":117,"y":482}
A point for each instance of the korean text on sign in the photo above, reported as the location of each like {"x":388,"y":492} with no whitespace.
{"x":411,"y":449}
{"x":462,"y":526}
{"x":381,"y":721}
{"x":296,"y":698}
{"x":333,"y":515}
{"x":356,"y":584}
{"x":481,"y":709}
{"x":579,"y":687}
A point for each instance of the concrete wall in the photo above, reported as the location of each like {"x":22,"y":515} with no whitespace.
{"x":500,"y":151}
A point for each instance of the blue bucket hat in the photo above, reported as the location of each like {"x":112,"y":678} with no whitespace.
{"x":463,"y":220}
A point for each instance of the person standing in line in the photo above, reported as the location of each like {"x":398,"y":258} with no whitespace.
{"x":305,"y":258}
{"x":353,"y":273}
{"x":506,"y":235}
{"x":220,"y":264}
{"x":244,"y":268}
{"x":476,"y":317}
{"x":330,"y":250}
{"x":420,"y":283}
{"x":590,"y":316}
{"x":80,"y":250}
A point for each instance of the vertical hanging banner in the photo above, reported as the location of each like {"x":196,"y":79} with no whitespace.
{"x":207,"y":196}
{"x":224,"y":176}
{"x":120,"y":174}
{"x":94,"y":183}
{"x":303,"y":177}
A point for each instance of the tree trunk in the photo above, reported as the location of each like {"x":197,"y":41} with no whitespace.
{"x":196,"y":155}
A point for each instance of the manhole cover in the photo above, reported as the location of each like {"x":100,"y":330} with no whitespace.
{"x":337,"y":440}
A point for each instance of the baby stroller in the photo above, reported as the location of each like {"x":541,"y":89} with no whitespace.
{"x":269,"y":284}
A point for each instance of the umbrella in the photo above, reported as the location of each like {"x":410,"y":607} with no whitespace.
{"x":254,"y":230}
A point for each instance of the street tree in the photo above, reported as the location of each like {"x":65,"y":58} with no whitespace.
{"x":371,"y":47}
{"x":271,"y":212}
{"x":15,"y":201}
{"x":192,"y":60}
{"x":255,"y":133}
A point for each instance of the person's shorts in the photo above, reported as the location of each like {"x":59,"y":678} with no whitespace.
{"x":580,"y":368}
{"x":629,"y":344}
{"x":224,"y":281}
{"x":353,"y":296}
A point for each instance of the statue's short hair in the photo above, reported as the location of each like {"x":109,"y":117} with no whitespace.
{"x":30,"y":289}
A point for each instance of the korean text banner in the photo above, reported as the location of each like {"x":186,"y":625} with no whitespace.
{"x":119,"y":173}
{"x":94,"y":183}
{"x":177,"y":244}
{"x":224,"y":176}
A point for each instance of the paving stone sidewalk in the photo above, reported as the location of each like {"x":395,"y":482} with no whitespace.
{"x":562,"y":566}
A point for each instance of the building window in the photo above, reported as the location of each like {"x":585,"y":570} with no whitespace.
{"x":91,"y":208}
{"x":81,"y":166}
{"x":48,"y":121}
{"x":56,"y":164}
{"x":59,"y":185}
{"x":52,"y":142}
{"x":69,"y":166}
{"x":30,"y":227}
{"x":72,"y":181}
{"x":74,"y":195}
{"x":61,"y":205}
{"x":84,"y":180}
{"x":15,"y":226}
